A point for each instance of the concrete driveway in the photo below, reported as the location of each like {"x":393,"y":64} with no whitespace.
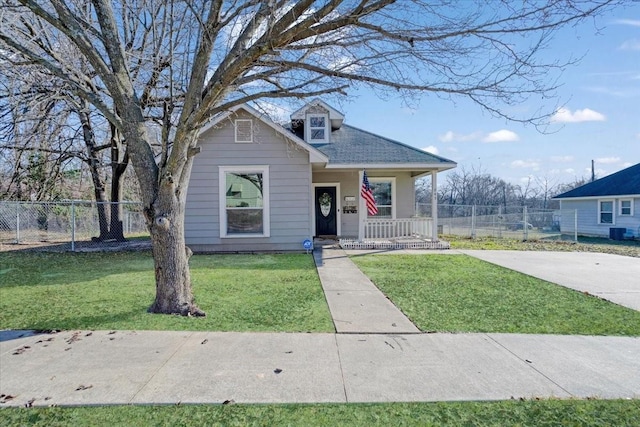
{"x":615,"y":278}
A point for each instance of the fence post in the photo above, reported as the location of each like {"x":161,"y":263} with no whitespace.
{"x":575,"y":225}
{"x":473,"y":221}
{"x":17,"y":222}
{"x":73,"y":226}
{"x":525,"y":224}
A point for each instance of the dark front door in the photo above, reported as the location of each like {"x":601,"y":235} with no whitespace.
{"x":326,"y":213}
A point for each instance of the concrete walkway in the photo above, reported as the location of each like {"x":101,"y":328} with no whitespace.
{"x":356,"y":304}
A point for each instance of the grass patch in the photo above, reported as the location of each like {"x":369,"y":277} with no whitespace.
{"x":457,"y":293}
{"x":113,"y":291}
{"x":584,"y":244}
{"x":619,"y":413}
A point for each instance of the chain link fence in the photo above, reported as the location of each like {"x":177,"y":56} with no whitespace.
{"x":517,"y":222}
{"x":74,"y":223}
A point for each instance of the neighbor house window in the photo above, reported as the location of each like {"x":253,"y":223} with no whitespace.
{"x":244,"y":201}
{"x":384,"y":190}
{"x":317,"y":129}
{"x":243,"y":130}
{"x":605,"y":211}
{"x":626,"y":207}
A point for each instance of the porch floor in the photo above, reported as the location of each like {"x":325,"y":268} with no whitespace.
{"x":396,"y":243}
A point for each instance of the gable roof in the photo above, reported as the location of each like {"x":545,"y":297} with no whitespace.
{"x":622,"y":183}
{"x":335,"y":116}
{"x":355,"y":147}
{"x":315,"y":156}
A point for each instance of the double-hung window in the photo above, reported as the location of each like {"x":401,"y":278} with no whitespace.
{"x":384,"y":191}
{"x":605,"y":211}
{"x":626,"y":207}
{"x":317,"y":129}
{"x":244,"y":201}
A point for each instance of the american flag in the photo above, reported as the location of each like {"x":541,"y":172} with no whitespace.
{"x":367,"y":195}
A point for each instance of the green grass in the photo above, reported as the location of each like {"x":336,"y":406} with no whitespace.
{"x":457,"y":293}
{"x":538,"y":413}
{"x":584,"y":244}
{"x":113,"y":291}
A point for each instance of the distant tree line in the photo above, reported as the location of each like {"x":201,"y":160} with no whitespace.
{"x":477,"y":187}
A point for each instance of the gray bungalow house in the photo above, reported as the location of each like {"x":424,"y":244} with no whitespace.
{"x":612,"y":202}
{"x":259,"y":186}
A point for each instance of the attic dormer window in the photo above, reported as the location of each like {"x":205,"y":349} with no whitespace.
{"x":317,"y":129}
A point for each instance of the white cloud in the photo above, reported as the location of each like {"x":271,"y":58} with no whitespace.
{"x":631,"y":44}
{"x":431,"y":149}
{"x":570,"y":170}
{"x":608,"y":160}
{"x":632,"y":22}
{"x":525,"y":164}
{"x":502,"y":135}
{"x":637,"y":135}
{"x":564,"y":115}
{"x":451,"y":136}
{"x":561,"y":159}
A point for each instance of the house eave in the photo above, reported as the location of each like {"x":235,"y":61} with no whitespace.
{"x":404,"y":166}
{"x":606,"y":196}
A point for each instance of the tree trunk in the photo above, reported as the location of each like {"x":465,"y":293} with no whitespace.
{"x":94,"y":165}
{"x":118,"y":168}
{"x":171,"y":259}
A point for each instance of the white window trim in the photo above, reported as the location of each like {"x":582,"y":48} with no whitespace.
{"x":620,"y":207}
{"x":222,"y":183}
{"x":393,"y":193}
{"x":236,"y":122}
{"x":613,"y":212}
{"x":307,"y":128}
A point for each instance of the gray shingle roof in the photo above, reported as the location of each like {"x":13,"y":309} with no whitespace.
{"x":353,"y":146}
{"x":623,"y":183}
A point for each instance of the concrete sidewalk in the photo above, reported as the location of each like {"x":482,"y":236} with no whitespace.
{"x":102,"y":367}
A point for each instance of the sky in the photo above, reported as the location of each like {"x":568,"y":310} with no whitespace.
{"x":598,"y":117}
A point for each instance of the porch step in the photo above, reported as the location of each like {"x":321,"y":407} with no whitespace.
{"x":394,"y":244}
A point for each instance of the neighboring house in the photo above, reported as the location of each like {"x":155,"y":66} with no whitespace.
{"x":609,"y":202}
{"x":259,"y":186}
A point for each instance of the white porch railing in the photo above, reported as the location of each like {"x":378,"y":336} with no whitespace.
{"x":387,"y":228}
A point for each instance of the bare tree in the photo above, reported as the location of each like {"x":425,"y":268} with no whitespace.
{"x":175,"y":64}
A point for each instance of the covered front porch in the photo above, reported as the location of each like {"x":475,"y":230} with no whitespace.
{"x":395,"y":226}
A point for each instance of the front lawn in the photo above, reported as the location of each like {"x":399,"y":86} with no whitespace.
{"x":458,"y":293}
{"x":619,"y":413}
{"x":47,"y":291}
{"x":584,"y":244}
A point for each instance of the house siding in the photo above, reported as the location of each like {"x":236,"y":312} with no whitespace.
{"x":587,"y":217}
{"x":289,"y":189}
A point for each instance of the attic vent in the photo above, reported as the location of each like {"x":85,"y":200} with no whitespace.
{"x":244,"y":130}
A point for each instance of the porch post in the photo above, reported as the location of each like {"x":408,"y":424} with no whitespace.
{"x":361,"y":209}
{"x":434,"y":205}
